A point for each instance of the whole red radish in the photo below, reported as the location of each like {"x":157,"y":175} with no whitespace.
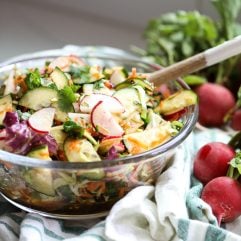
{"x":236,"y":120}
{"x":212,"y":161}
{"x":214,"y":103}
{"x":223,"y":194}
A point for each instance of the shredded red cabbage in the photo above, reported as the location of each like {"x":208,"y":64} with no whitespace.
{"x":112,"y":153}
{"x":10,"y":119}
{"x":20,"y":138}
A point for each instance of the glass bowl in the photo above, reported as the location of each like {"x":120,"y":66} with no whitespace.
{"x":108,"y":180}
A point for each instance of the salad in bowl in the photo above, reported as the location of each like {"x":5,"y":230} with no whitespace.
{"x":77,"y":133}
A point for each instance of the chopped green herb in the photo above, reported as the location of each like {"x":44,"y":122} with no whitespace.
{"x":75,"y":88}
{"x":23,"y":115}
{"x":81,"y":74}
{"x":73,"y":129}
{"x":48,"y":83}
{"x":77,"y":72}
{"x":66,"y":99}
{"x":98,"y":85}
{"x":177,"y":125}
{"x":33,"y":79}
{"x":234,"y":170}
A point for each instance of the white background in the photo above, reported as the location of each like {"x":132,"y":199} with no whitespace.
{"x":33,"y":25}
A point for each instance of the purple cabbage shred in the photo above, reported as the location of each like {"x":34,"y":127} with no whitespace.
{"x":20,"y":138}
{"x":112,"y":153}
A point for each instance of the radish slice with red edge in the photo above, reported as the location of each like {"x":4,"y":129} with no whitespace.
{"x":111,"y":103}
{"x":104,"y":122}
{"x":42,"y":120}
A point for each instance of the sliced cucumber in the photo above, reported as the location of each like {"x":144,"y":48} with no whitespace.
{"x":153,"y":119}
{"x":93,"y":174}
{"x":95,"y":74}
{"x":59,"y":78}
{"x":59,"y":135}
{"x":177,"y":102}
{"x":38,"y":98}
{"x":40,"y":179}
{"x":139,"y":142}
{"x":40,"y":152}
{"x":129,"y":97}
{"x":88,"y":89}
{"x":143,"y":100}
{"x":80,"y":150}
{"x":59,"y":114}
{"x":5,"y":106}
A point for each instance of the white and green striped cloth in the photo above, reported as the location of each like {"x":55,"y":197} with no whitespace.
{"x":172,"y":210}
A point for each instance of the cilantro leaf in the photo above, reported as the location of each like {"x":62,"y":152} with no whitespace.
{"x":80,"y":74}
{"x":77,"y":72}
{"x":73,"y":129}
{"x":33,"y":79}
{"x":66,"y":98}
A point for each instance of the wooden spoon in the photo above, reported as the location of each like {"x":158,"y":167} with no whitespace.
{"x":199,"y":61}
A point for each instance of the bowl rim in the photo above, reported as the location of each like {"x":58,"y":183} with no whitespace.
{"x":56,"y":164}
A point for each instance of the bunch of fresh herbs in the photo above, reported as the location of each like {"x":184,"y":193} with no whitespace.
{"x":175,"y":36}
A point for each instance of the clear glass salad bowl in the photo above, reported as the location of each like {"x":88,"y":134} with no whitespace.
{"x":86,"y":190}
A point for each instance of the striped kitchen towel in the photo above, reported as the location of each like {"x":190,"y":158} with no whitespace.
{"x":170,"y":210}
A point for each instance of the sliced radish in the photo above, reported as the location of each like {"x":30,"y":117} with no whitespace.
{"x":111,"y":103}
{"x":117,"y":77}
{"x":104,"y":122}
{"x":42,"y":120}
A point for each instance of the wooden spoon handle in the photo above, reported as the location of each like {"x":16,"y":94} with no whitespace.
{"x":197,"y":62}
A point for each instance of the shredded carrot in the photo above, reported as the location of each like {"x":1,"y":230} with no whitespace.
{"x":133,"y":73}
{"x":96,"y":186}
{"x":61,"y":155}
{"x":20,"y":82}
{"x":122,"y":191}
{"x":108,"y":84}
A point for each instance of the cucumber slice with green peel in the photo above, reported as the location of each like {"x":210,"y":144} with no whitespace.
{"x":40,"y":152}
{"x":40,"y":179}
{"x":93,"y":174}
{"x":39,"y":98}
{"x":88,"y":89}
{"x":5,"y":106}
{"x":59,"y":78}
{"x":80,"y":150}
{"x":59,"y":114}
{"x":143,"y":100}
{"x":139,"y":142}
{"x":136,"y":81}
{"x":177,"y":102}
{"x":129,"y":98}
{"x":59,"y":135}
